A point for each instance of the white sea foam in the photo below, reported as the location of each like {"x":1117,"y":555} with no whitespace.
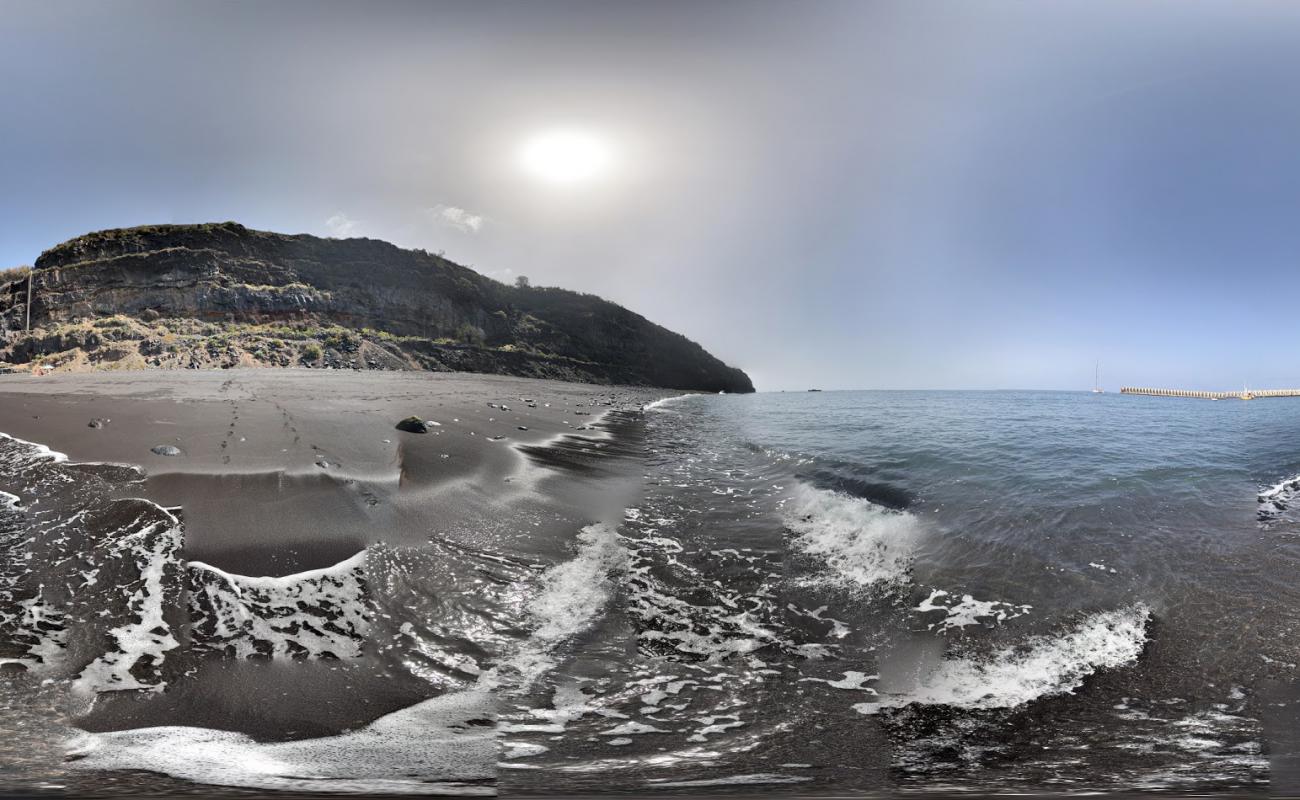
{"x":753,"y":779}
{"x":663,"y":401}
{"x":38,"y":451}
{"x":852,"y":681}
{"x":425,"y":749}
{"x":306,"y":615}
{"x":10,"y":501}
{"x":862,"y":543}
{"x":966,"y":610}
{"x":141,"y":643}
{"x":1041,"y":667}
{"x":1276,"y":499}
{"x":40,"y":626}
{"x":572,"y":593}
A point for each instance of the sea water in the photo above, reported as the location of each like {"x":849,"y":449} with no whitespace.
{"x":932,"y":590}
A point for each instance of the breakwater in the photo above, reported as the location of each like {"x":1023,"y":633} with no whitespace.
{"x":1244,"y":394}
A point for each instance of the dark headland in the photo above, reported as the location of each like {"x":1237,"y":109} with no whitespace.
{"x":221,"y":295}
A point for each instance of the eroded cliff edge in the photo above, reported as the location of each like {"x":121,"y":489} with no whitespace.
{"x":197,"y":296}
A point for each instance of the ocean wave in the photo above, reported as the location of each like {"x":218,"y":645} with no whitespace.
{"x":663,"y":401}
{"x":1041,"y":667}
{"x":1276,"y":499}
{"x":571,"y":595}
{"x":575,"y":591}
{"x":842,"y":480}
{"x":862,"y":544}
{"x":315,"y":614}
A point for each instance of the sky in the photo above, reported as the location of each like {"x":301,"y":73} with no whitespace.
{"x":857,"y":194}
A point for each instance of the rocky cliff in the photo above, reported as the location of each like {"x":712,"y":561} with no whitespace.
{"x":224,"y":295}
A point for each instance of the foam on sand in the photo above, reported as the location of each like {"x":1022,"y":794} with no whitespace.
{"x":59,"y":616}
{"x":33,"y":451}
{"x":429,"y":748}
{"x":1041,"y":667}
{"x":142,"y":642}
{"x":319,"y":613}
{"x":862,"y":543}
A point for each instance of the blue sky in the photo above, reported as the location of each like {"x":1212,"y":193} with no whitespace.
{"x":846,"y":195}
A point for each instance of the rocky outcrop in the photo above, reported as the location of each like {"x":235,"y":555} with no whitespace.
{"x":411,"y":308}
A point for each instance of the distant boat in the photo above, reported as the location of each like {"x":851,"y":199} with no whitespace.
{"x":1096,"y":380}
{"x":814,"y":390}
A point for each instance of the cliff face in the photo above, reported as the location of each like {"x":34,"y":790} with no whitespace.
{"x":423,"y":310}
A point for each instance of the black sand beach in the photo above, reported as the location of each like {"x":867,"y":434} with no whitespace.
{"x":330,"y":569}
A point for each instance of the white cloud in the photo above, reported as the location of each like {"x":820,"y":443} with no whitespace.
{"x":458,"y":218}
{"x":340,"y":226}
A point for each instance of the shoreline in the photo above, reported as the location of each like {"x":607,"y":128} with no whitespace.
{"x":283,"y":491}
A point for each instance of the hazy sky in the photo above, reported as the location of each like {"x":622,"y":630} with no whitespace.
{"x":860,"y":194}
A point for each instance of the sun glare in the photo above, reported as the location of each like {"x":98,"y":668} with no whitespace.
{"x":566,"y":156}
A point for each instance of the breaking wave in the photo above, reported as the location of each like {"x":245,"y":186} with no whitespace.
{"x":574,"y":591}
{"x":663,"y":401}
{"x":1278,"y":498}
{"x":863,"y":544}
{"x":1042,"y":667}
{"x":571,"y":595}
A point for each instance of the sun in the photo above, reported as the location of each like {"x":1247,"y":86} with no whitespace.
{"x":566,"y":156}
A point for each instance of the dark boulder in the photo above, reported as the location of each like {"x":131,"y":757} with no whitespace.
{"x":413,"y":425}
